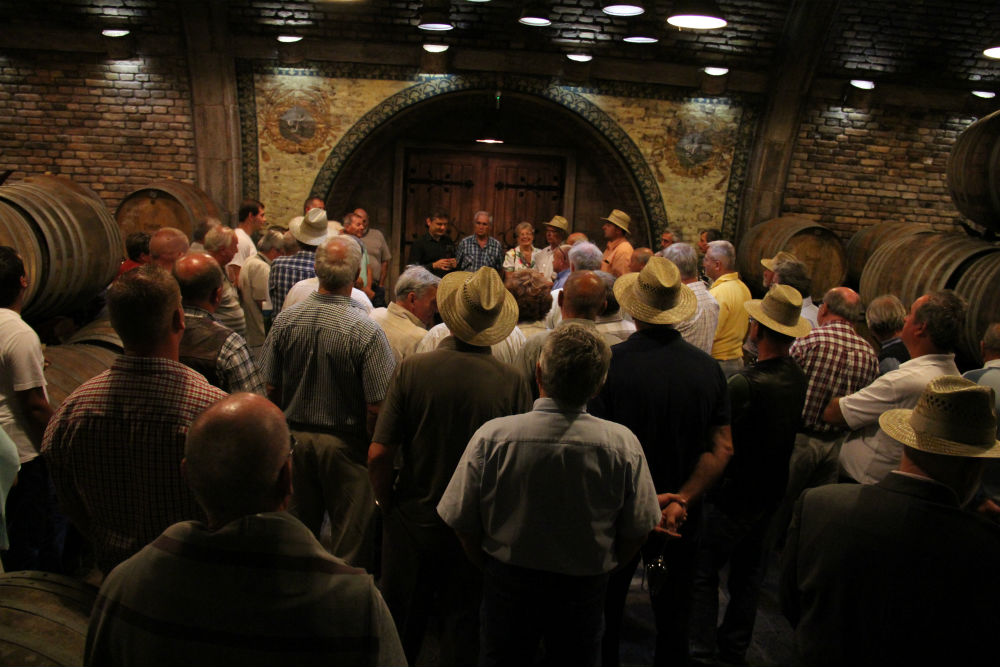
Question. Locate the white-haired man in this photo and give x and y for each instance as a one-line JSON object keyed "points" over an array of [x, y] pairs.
{"points": [[731, 293], [406, 319]]}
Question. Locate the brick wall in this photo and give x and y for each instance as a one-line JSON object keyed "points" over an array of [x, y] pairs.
{"points": [[111, 125], [854, 168]]}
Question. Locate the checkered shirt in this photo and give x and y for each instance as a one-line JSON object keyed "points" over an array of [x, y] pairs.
{"points": [[837, 362], [235, 366], [114, 450], [471, 256], [328, 359], [285, 272]]}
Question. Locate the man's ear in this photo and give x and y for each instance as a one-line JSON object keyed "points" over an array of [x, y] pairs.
{"points": [[217, 296], [184, 468], [283, 486], [177, 320]]}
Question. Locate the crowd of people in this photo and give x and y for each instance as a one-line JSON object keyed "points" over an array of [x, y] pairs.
{"points": [[289, 463]]}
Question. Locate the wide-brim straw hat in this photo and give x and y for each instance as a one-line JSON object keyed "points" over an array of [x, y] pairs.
{"points": [[477, 307], [782, 256], [780, 310], [656, 294], [310, 229], [953, 417], [560, 223], [619, 219]]}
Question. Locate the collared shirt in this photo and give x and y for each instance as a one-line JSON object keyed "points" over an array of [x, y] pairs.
{"points": [[543, 262], [617, 257], [230, 596], [471, 256], [731, 294], [837, 362], [868, 454], [527, 356], [378, 252], [328, 360], [506, 350], [21, 368], [403, 329], [699, 330], [810, 311], [426, 250], [234, 365], [515, 260], [114, 450], [304, 288], [285, 272], [253, 288], [615, 327], [553, 489], [560, 279], [229, 312]]}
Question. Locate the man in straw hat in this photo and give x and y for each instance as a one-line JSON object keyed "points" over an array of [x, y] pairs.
{"points": [[550, 502], [436, 402], [618, 252], [309, 231], [556, 231], [899, 573], [766, 402], [673, 397]]}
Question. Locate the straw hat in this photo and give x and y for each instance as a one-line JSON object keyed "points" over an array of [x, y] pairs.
{"points": [[477, 308], [780, 309], [559, 223], [310, 229], [656, 294], [619, 219], [953, 417], [782, 256]]}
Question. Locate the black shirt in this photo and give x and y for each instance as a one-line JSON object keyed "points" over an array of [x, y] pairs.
{"points": [[426, 250]]}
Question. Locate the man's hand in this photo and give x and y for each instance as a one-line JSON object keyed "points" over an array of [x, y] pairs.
{"points": [[673, 516], [445, 264]]}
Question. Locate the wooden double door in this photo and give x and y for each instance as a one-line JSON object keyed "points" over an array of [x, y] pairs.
{"points": [[512, 186]]}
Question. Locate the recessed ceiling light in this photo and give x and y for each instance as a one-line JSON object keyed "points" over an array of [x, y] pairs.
{"points": [[622, 8], [536, 17], [580, 57], [114, 32], [992, 52], [289, 39], [863, 84], [985, 94], [715, 71], [696, 22], [435, 21], [440, 48]]}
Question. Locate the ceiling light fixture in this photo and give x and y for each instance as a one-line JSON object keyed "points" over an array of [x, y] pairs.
{"points": [[580, 57], [992, 52], [535, 16], [289, 39], [985, 94], [435, 21], [622, 8], [640, 38], [114, 32], [715, 71], [491, 131], [863, 84], [439, 48], [641, 31], [696, 15]]}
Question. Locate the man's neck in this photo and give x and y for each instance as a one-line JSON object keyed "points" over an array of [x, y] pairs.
{"points": [[201, 305], [340, 291], [482, 240], [165, 350], [688, 281]]}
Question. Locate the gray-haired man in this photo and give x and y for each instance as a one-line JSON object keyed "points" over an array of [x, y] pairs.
{"points": [[405, 320]]}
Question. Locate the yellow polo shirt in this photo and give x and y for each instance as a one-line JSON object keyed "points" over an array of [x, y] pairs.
{"points": [[731, 294]]}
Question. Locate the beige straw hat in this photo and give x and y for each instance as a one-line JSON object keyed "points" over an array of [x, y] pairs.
{"points": [[477, 308], [560, 223], [619, 219], [782, 256], [780, 310], [953, 417], [656, 294], [310, 229]]}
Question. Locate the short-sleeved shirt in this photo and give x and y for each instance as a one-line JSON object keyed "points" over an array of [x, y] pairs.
{"points": [[671, 395], [378, 251], [868, 454], [731, 294], [329, 361], [543, 263], [245, 248], [514, 260], [506, 350], [403, 329], [286, 271], [471, 256], [21, 368], [554, 490], [699, 330], [617, 257], [253, 288]]}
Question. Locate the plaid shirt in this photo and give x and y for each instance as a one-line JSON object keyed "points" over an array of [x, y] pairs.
{"points": [[285, 272], [471, 256], [837, 362], [114, 450], [235, 366]]}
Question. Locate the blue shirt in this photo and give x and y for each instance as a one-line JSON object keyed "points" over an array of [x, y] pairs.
{"points": [[286, 271], [471, 256]]}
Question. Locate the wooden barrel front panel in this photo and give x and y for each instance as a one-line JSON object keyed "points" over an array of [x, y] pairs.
{"points": [[866, 241], [816, 246], [974, 171], [43, 618], [69, 366], [164, 204], [980, 285]]}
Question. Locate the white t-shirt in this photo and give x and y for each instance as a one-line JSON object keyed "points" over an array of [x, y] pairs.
{"points": [[21, 367], [244, 248], [304, 288]]}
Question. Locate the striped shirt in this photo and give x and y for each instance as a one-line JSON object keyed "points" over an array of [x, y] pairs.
{"points": [[328, 361], [114, 450], [285, 272], [699, 330], [837, 362]]}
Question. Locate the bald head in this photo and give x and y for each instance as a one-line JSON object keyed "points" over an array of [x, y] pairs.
{"points": [[200, 280], [167, 245], [582, 296], [640, 256], [840, 303], [236, 458], [576, 237]]}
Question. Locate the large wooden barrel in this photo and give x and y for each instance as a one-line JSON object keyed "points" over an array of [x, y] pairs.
{"points": [[818, 248], [912, 266], [974, 171], [980, 285], [43, 618], [164, 204], [69, 242], [71, 365], [866, 241]]}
